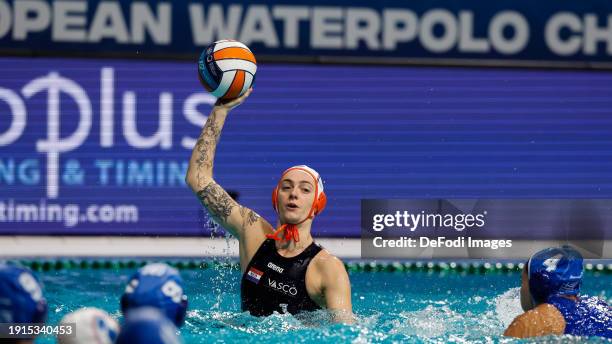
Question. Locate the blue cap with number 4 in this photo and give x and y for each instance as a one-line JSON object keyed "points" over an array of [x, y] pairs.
{"points": [[21, 296], [157, 285], [554, 271]]}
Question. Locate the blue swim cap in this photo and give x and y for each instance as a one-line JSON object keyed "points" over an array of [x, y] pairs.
{"points": [[157, 285], [554, 271], [21, 296], [147, 325]]}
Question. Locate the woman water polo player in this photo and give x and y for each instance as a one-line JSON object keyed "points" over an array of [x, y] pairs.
{"points": [[550, 297], [283, 270]]}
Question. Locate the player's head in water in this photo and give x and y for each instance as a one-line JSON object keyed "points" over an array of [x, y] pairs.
{"points": [[297, 198], [555, 271], [21, 299], [157, 285], [21, 296], [550, 296], [94, 326]]}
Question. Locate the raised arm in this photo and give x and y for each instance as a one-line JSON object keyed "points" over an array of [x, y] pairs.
{"points": [[229, 214]]}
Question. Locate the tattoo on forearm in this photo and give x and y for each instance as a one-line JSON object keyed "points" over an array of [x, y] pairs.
{"points": [[217, 201], [249, 217], [207, 143]]}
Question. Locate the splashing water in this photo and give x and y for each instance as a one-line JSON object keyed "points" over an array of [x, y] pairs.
{"points": [[222, 263], [508, 306], [416, 307]]}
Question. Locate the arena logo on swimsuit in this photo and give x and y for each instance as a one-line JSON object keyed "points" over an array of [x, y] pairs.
{"points": [[285, 288], [275, 267]]}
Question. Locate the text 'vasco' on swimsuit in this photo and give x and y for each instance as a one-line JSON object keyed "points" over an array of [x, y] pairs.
{"points": [[272, 282]]}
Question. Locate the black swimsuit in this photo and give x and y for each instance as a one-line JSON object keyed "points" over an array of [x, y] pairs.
{"points": [[272, 282]]}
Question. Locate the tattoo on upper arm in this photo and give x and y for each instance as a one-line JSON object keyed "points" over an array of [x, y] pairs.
{"points": [[217, 201], [252, 217], [249, 217]]}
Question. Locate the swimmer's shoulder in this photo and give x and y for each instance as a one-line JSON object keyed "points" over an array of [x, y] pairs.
{"points": [[327, 262], [328, 267], [334, 286], [545, 319]]}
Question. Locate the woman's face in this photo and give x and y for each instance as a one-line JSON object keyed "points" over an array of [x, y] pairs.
{"points": [[296, 193]]}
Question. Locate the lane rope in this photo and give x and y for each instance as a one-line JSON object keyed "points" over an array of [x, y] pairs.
{"points": [[475, 267]]}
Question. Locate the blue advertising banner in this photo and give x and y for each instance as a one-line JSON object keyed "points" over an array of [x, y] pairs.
{"points": [[542, 33], [101, 146]]}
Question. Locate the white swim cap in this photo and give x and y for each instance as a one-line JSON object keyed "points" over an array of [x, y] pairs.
{"points": [[93, 325]]}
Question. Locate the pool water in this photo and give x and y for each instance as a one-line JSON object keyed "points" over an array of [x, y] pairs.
{"points": [[406, 307]]}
